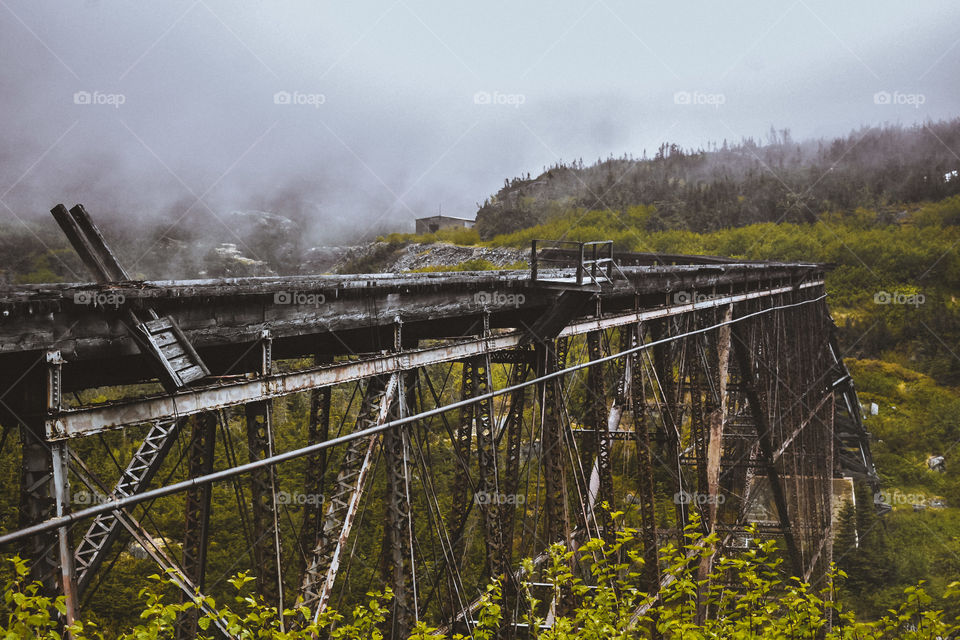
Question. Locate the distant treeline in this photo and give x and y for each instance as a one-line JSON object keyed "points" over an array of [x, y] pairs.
{"points": [[732, 185]]}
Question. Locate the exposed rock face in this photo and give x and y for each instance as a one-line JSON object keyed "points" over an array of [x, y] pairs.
{"points": [[418, 256], [227, 261], [382, 257]]}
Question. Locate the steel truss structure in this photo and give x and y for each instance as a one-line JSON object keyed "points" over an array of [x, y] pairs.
{"points": [[484, 433]]}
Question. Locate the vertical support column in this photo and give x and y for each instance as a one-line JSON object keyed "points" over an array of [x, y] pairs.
{"points": [[266, 517], [755, 397], [398, 529], [717, 422], [648, 523], [489, 485], [511, 485], [59, 455], [45, 490], [718, 418], [663, 358], [514, 427], [346, 492], [463, 438], [551, 446], [200, 454], [318, 430], [598, 423]]}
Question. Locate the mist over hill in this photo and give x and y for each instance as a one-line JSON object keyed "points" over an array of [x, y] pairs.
{"points": [[736, 184]]}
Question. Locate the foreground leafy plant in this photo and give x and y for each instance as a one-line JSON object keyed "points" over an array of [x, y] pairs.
{"points": [[593, 593]]}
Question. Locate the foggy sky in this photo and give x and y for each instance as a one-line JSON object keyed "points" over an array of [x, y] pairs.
{"points": [[411, 105]]}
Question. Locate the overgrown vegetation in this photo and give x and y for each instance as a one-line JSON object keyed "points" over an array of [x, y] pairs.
{"points": [[595, 593]]}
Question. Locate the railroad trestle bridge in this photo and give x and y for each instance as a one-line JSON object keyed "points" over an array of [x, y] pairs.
{"points": [[662, 386]]}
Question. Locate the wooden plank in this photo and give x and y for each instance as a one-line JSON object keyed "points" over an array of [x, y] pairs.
{"points": [[188, 348], [81, 244], [95, 239], [158, 325], [168, 344], [191, 374], [180, 364], [154, 351]]}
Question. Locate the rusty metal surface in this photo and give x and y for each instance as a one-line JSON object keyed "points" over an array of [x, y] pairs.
{"points": [[222, 312], [730, 420], [73, 423]]}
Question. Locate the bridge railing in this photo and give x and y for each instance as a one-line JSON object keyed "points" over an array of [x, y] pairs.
{"points": [[591, 259]]}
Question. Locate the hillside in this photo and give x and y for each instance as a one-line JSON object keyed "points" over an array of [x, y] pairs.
{"points": [[730, 185]]}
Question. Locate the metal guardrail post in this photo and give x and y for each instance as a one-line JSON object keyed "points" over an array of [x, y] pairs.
{"points": [[533, 260], [580, 266]]}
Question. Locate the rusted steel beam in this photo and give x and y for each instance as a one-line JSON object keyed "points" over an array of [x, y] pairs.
{"points": [[38, 499], [93, 548], [398, 527], [196, 529], [595, 448], [241, 469], [318, 579], [718, 418], [79, 422], [759, 412], [216, 314], [489, 482], [665, 362], [551, 445], [462, 445], [267, 550], [318, 430]]}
